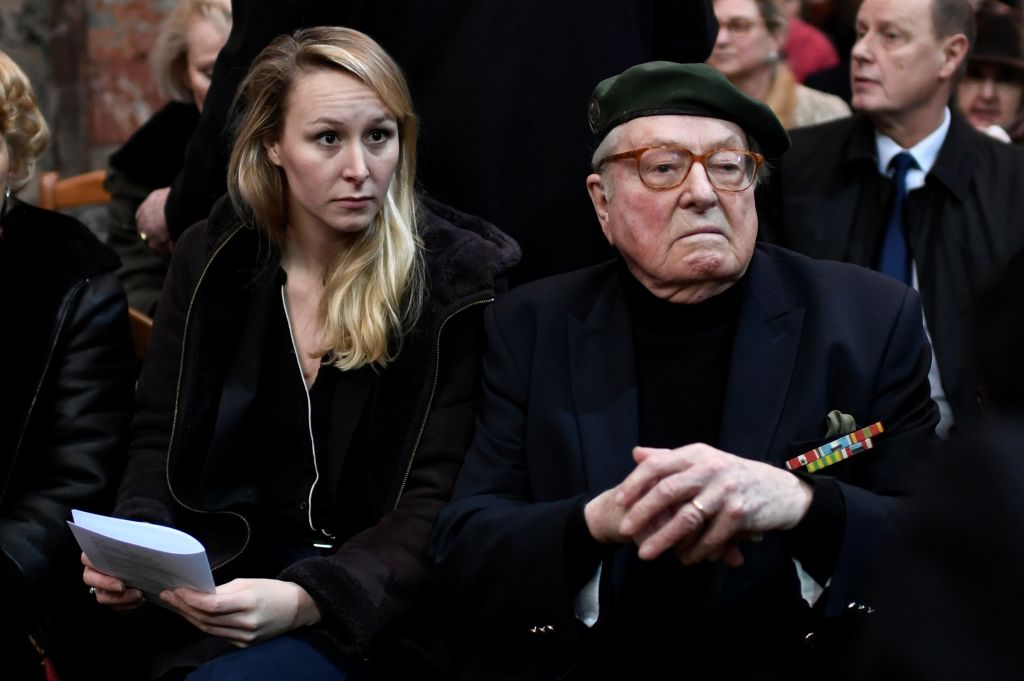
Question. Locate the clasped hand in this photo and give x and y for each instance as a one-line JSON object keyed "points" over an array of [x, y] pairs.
{"points": [[697, 500]]}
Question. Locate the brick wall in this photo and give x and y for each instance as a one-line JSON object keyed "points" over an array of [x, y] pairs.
{"points": [[88, 61]]}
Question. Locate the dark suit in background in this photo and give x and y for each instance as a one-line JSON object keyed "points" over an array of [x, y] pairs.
{"points": [[828, 200], [559, 419], [501, 89]]}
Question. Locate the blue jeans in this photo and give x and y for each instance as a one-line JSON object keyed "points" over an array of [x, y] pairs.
{"points": [[286, 658]]}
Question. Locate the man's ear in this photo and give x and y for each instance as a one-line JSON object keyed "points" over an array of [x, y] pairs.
{"points": [[954, 52], [599, 197]]}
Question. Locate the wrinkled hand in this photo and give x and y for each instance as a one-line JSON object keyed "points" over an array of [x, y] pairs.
{"points": [[152, 224], [246, 611], [110, 590], [701, 501]]}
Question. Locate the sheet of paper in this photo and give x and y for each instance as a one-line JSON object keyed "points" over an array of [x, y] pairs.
{"points": [[151, 558]]}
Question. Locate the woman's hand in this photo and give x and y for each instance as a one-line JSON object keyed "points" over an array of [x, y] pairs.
{"points": [[246, 611], [110, 590]]}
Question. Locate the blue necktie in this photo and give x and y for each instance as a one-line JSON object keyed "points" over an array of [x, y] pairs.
{"points": [[894, 259]]}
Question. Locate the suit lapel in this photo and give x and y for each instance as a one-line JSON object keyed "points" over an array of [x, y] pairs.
{"points": [[763, 357], [603, 379]]}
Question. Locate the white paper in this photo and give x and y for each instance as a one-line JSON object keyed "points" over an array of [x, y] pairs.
{"points": [[150, 558]]}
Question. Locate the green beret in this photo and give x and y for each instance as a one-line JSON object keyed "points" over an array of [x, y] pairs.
{"points": [[664, 87]]}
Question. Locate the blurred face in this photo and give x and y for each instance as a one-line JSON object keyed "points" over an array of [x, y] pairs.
{"points": [[688, 242], [991, 94], [898, 65], [205, 39], [338, 149], [744, 45]]}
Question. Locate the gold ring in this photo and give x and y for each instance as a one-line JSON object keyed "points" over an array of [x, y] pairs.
{"points": [[699, 506], [143, 236]]}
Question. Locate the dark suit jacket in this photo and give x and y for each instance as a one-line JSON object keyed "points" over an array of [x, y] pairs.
{"points": [[501, 91], [559, 419], [828, 200]]}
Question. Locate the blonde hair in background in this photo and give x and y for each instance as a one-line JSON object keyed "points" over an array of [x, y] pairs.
{"points": [[374, 285], [21, 123], [170, 50]]}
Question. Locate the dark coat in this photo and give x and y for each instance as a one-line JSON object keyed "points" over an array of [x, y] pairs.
{"points": [[149, 160], [411, 421], [501, 92], [559, 420], [65, 403], [828, 200]]}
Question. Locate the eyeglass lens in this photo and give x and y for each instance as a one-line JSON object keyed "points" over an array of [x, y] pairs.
{"points": [[727, 169]]}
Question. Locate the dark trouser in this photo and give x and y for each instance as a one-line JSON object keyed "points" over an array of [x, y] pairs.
{"points": [[290, 657]]}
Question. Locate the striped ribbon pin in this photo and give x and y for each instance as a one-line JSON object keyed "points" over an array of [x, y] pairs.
{"points": [[837, 450]]}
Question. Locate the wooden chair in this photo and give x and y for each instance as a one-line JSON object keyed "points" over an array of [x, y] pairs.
{"points": [[142, 329], [56, 193]]}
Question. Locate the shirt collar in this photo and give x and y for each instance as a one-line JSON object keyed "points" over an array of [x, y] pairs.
{"points": [[924, 152]]}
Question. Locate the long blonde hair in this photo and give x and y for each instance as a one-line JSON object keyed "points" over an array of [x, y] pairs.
{"points": [[21, 123], [373, 288], [169, 57]]}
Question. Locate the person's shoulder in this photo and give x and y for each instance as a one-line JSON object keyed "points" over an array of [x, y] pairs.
{"points": [[559, 294], [464, 254], [813, 278], [830, 133], [990, 151], [56, 241], [822, 106], [155, 152]]}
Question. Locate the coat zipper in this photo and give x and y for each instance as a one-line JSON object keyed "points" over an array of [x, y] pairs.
{"points": [[433, 390], [177, 403]]}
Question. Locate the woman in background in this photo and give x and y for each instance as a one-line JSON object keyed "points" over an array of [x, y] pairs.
{"points": [[141, 171], [67, 370], [751, 34], [991, 93], [312, 378]]}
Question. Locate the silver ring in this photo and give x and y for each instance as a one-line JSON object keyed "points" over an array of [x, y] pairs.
{"points": [[92, 590], [143, 236], [699, 506]]}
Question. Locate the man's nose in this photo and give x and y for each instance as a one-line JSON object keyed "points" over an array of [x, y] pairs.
{"points": [[988, 88], [697, 191], [861, 50]]}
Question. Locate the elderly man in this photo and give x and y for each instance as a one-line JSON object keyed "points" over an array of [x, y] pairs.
{"points": [[626, 503], [908, 187]]}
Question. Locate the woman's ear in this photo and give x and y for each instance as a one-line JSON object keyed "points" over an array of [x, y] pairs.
{"points": [[273, 152]]}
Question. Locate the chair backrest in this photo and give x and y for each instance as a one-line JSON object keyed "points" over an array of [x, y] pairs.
{"points": [[56, 193], [142, 329]]}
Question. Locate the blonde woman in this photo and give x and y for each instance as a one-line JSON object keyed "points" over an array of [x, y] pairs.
{"points": [[67, 371], [313, 375], [140, 172]]}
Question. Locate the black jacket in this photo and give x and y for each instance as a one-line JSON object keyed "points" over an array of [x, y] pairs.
{"points": [[66, 388], [413, 419], [557, 424], [828, 200]]}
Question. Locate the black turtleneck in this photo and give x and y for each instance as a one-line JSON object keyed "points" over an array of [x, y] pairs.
{"points": [[682, 354]]}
